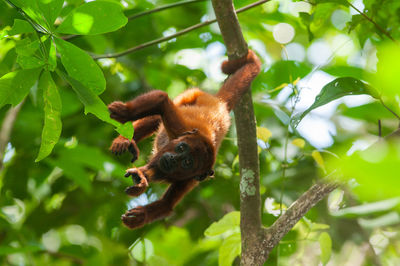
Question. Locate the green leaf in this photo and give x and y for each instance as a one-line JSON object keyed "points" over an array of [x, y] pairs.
{"points": [[230, 221], [73, 170], [30, 7], [371, 112], [93, 104], [26, 47], [334, 90], [94, 18], [21, 26], [14, 86], [142, 250], [81, 66], [50, 9], [229, 250], [386, 79], [93, 158], [342, 71], [52, 110], [325, 243], [380, 160], [5, 250], [306, 19], [28, 62], [284, 72], [367, 209], [125, 130]]}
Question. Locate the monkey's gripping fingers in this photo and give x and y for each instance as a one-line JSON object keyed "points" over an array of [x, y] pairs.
{"points": [[135, 218], [139, 180], [119, 111], [142, 215], [122, 144], [230, 66]]}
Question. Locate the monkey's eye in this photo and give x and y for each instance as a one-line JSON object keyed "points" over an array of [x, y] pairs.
{"points": [[182, 147], [187, 163]]}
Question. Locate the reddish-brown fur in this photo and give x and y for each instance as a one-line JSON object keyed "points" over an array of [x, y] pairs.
{"points": [[195, 118]]}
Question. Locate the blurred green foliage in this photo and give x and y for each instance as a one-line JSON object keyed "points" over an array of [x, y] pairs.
{"points": [[65, 209]]}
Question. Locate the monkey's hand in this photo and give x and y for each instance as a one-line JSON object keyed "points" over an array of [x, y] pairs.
{"points": [[119, 111], [139, 180], [135, 218], [230, 66], [121, 144]]}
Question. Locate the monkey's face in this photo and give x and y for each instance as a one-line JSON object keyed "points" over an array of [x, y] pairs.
{"points": [[185, 157]]}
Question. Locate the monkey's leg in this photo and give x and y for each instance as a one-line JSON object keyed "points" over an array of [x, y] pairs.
{"points": [[243, 71], [161, 208], [143, 128], [149, 104]]}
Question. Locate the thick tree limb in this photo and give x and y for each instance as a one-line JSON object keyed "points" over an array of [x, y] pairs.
{"points": [[250, 200], [257, 242]]}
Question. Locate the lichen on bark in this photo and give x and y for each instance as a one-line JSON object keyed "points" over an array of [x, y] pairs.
{"points": [[247, 187]]}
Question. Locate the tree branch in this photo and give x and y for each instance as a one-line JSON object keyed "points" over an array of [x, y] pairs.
{"points": [[294, 213], [250, 200], [167, 38]]}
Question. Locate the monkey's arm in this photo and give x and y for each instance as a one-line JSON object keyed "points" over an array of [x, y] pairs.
{"points": [[143, 128], [161, 208], [150, 104], [243, 71]]}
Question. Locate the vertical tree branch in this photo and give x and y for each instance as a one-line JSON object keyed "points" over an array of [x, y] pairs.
{"points": [[250, 202]]}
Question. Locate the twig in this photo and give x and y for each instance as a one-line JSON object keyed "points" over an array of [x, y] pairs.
{"points": [[179, 33], [6, 128], [373, 22], [164, 7], [390, 110], [60, 255], [379, 128]]}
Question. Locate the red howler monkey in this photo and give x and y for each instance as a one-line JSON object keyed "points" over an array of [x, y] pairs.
{"points": [[189, 132]]}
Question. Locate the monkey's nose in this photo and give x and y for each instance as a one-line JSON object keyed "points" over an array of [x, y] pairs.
{"points": [[167, 162]]}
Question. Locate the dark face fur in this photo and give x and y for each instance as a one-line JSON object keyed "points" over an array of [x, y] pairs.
{"points": [[187, 156]]}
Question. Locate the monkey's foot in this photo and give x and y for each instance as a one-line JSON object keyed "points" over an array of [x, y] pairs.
{"points": [[122, 144], [119, 111]]}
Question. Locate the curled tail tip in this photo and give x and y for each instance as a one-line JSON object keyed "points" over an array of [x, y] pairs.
{"points": [[230, 66]]}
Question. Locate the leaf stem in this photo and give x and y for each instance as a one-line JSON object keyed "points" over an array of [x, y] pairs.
{"points": [[390, 110], [37, 27], [179, 33]]}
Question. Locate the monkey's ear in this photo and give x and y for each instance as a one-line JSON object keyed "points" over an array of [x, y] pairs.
{"points": [[209, 173], [193, 131]]}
